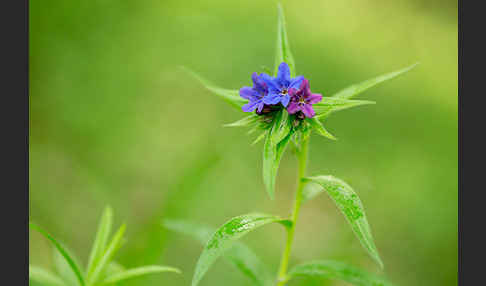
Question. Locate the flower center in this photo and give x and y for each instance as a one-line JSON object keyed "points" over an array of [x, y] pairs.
{"points": [[301, 100], [284, 91]]}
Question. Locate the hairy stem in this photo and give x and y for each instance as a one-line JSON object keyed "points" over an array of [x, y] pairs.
{"points": [[284, 262]]}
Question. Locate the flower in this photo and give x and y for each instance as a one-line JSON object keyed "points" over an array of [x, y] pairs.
{"points": [[278, 87], [302, 100], [254, 94]]}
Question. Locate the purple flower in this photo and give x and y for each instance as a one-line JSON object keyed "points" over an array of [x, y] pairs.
{"points": [[254, 94], [302, 100], [278, 88]]}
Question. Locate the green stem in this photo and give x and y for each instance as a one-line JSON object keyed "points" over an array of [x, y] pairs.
{"points": [[284, 262]]}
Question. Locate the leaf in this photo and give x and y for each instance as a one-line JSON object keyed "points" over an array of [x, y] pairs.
{"points": [[139, 271], [62, 250], [350, 205], [260, 137], [111, 269], [283, 53], [339, 271], [271, 161], [62, 267], [44, 276], [239, 254], [107, 255], [225, 237], [245, 121], [230, 96], [358, 88], [329, 105], [280, 127], [101, 239], [319, 128]]}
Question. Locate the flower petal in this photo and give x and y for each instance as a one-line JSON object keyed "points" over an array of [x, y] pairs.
{"points": [[285, 100], [293, 107], [283, 74], [260, 106], [314, 98], [308, 110], [296, 81], [247, 92], [273, 98], [250, 106]]}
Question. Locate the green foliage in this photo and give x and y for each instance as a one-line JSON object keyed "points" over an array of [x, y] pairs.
{"points": [[350, 205], [280, 128], [271, 160], [103, 269], [283, 53], [319, 128], [336, 270], [225, 237], [329, 105], [230, 96], [358, 88], [242, 257]]}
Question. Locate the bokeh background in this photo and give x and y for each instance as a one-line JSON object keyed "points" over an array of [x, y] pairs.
{"points": [[114, 121]]}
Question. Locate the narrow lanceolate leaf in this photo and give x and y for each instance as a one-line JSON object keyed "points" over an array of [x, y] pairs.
{"points": [[259, 138], [336, 270], [319, 128], [283, 53], [225, 237], [271, 160], [332, 104], [107, 255], [44, 276], [239, 254], [229, 95], [139, 271], [63, 269], [280, 127], [358, 88], [245, 121], [350, 205], [74, 266], [101, 239]]}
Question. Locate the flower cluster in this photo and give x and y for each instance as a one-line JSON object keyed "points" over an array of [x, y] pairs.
{"points": [[281, 91]]}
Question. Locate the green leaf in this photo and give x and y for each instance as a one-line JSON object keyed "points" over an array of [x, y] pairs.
{"points": [[350, 205], [225, 237], [44, 277], [283, 53], [107, 255], [271, 160], [280, 127], [336, 270], [358, 88], [329, 105], [239, 254], [62, 250], [260, 137], [101, 239], [245, 121], [62, 267], [230, 96], [139, 271], [319, 128]]}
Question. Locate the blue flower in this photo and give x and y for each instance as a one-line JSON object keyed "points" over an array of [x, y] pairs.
{"points": [[254, 94], [278, 88]]}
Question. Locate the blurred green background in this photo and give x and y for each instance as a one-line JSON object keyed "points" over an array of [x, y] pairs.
{"points": [[114, 121]]}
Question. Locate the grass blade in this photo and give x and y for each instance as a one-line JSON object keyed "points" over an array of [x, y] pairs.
{"points": [[336, 270], [350, 205], [242, 257], [358, 88], [283, 53], [62, 250], [101, 239], [139, 271], [107, 255], [44, 276], [230, 96], [225, 237]]}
